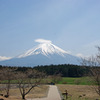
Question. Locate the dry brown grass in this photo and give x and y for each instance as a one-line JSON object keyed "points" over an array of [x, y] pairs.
{"points": [[37, 92], [79, 92]]}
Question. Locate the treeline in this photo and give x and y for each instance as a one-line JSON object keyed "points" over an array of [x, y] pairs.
{"points": [[66, 70]]}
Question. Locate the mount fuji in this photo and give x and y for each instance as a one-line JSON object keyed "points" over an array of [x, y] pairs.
{"points": [[45, 53]]}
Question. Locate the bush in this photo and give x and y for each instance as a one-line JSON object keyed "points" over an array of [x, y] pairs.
{"points": [[77, 81], [64, 82]]}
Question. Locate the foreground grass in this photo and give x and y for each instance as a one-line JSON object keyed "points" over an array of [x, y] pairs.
{"points": [[79, 92], [75, 92], [37, 92]]}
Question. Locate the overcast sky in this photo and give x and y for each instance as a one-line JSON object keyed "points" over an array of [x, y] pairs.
{"points": [[73, 25]]}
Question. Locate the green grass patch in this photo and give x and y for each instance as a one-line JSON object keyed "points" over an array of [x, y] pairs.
{"points": [[63, 80], [75, 81]]}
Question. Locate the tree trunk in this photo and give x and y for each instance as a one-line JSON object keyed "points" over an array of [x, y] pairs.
{"points": [[8, 88], [23, 97], [8, 92]]}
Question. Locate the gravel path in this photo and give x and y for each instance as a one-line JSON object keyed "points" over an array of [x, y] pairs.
{"points": [[53, 94]]}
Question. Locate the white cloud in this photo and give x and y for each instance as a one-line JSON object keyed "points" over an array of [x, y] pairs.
{"points": [[42, 41], [4, 58], [80, 55]]}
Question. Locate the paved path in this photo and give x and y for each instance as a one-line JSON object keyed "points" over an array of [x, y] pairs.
{"points": [[53, 94]]}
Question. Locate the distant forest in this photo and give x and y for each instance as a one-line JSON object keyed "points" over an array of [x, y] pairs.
{"points": [[66, 70]]}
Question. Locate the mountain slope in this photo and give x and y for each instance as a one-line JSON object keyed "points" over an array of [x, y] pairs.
{"points": [[45, 49], [45, 53]]}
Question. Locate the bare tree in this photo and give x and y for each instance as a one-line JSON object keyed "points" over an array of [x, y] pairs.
{"points": [[1, 75], [8, 75], [95, 79], [56, 78], [1, 79], [28, 80], [93, 63]]}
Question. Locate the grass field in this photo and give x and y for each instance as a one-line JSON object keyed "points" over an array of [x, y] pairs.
{"points": [[37, 92], [79, 92], [72, 81], [75, 81], [64, 80], [75, 92], [78, 89]]}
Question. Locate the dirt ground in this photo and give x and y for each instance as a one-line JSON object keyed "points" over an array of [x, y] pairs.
{"points": [[79, 92], [37, 92]]}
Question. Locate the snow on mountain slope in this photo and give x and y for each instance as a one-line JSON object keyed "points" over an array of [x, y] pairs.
{"points": [[45, 48], [45, 53]]}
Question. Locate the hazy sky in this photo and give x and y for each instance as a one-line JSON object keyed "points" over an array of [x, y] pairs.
{"points": [[73, 25]]}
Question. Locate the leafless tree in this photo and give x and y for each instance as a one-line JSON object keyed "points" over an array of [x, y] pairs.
{"points": [[28, 80], [1, 75], [93, 63], [8, 75], [56, 78], [1, 79], [95, 79]]}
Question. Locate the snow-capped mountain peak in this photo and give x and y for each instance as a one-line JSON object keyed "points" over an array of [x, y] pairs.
{"points": [[45, 53], [45, 48]]}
